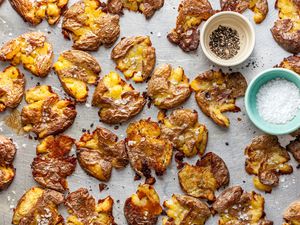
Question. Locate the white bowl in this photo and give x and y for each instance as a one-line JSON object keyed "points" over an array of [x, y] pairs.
{"points": [[236, 21]]}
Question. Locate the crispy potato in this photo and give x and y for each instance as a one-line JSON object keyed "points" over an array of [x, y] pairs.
{"points": [[190, 15], [202, 180], [53, 164], [45, 113], [89, 26], [12, 87], [118, 101], [98, 153], [267, 160], [239, 6], [135, 57], [235, 206], [146, 148], [35, 11], [85, 211], [38, 206], [30, 49], [143, 207], [292, 214], [76, 69], [147, 7], [216, 93], [184, 131], [292, 63], [294, 148], [184, 209], [168, 87]]}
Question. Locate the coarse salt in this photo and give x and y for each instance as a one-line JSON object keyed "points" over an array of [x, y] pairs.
{"points": [[278, 101]]}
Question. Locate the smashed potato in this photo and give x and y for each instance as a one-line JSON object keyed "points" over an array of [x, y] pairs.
{"points": [[53, 164], [292, 214], [45, 113], [191, 13], [85, 211], [235, 206], [98, 153], [143, 207], [118, 101], [146, 148], [294, 148], [292, 63], [75, 70], [89, 26], [267, 160], [147, 7], [135, 57], [216, 93], [184, 209], [35, 11], [30, 49], [38, 206], [168, 87], [7, 155], [184, 131], [12, 87], [202, 180]]}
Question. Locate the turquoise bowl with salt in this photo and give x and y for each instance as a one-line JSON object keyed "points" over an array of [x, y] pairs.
{"points": [[250, 101]]}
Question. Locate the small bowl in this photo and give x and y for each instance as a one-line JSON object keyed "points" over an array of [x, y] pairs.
{"points": [[250, 101], [236, 21]]}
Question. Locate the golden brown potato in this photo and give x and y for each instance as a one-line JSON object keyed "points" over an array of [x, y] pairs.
{"points": [[7, 155], [146, 148], [30, 49], [85, 211], [34, 11], [267, 160], [202, 180], [294, 148], [292, 63], [235, 206], [89, 26], [38, 206], [292, 214], [76, 69], [98, 153], [147, 7], [168, 87], [118, 101], [184, 131], [184, 209], [12, 87], [190, 15], [45, 113], [216, 93], [135, 57], [143, 207], [53, 164]]}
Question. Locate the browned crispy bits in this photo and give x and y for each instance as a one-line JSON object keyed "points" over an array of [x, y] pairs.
{"points": [[216, 93], [168, 87], [89, 26], [76, 69], [7, 155], [184, 209], [294, 148], [202, 180], [38, 206], [147, 149], [53, 164], [292, 214], [143, 207], [30, 49], [292, 63], [98, 153], [235, 206], [117, 100], [267, 160], [45, 113], [190, 15], [84, 210], [181, 127]]}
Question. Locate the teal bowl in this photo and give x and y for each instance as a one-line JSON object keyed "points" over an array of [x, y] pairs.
{"points": [[250, 101]]}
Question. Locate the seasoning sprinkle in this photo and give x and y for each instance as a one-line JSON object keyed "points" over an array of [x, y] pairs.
{"points": [[224, 42]]}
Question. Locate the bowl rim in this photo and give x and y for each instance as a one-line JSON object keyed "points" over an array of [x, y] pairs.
{"points": [[247, 101], [252, 38]]}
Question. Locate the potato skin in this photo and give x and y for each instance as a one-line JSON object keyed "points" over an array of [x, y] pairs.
{"points": [[292, 214], [294, 148], [292, 63]]}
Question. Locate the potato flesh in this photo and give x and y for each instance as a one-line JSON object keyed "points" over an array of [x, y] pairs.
{"points": [[191, 21], [288, 10]]}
